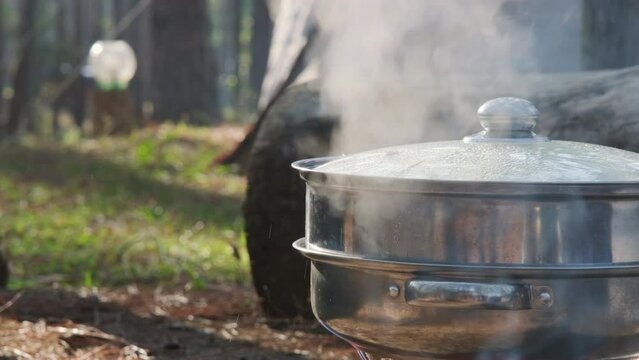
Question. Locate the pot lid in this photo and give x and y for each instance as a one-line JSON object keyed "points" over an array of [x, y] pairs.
{"points": [[507, 150]]}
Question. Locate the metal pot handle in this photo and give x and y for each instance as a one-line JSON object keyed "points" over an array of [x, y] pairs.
{"points": [[469, 295]]}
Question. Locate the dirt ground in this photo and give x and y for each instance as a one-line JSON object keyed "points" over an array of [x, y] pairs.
{"points": [[221, 322]]}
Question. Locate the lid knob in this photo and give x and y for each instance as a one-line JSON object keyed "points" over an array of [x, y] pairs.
{"points": [[507, 119]]}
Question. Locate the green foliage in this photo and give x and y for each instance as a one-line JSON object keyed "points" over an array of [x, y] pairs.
{"points": [[145, 208]]}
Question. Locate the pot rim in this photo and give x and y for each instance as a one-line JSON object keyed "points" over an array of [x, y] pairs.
{"points": [[514, 271], [308, 172]]}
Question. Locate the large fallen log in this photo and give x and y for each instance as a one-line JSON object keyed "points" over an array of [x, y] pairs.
{"points": [[597, 107]]}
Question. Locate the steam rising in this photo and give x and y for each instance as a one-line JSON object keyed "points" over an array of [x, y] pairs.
{"points": [[411, 70], [407, 71]]}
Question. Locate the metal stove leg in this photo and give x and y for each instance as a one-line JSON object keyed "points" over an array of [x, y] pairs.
{"points": [[362, 355]]}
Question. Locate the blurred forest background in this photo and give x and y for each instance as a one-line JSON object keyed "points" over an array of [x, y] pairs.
{"points": [[129, 243], [138, 231], [146, 206], [223, 44]]}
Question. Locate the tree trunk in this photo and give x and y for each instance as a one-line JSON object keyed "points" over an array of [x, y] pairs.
{"points": [[274, 206], [4, 268], [2, 62], [73, 96], [260, 45], [610, 31], [4, 272], [185, 74], [94, 20], [62, 41], [236, 8], [122, 8], [145, 67], [138, 35], [20, 100], [227, 51]]}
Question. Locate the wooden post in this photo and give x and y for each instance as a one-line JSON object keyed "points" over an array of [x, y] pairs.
{"points": [[113, 112]]}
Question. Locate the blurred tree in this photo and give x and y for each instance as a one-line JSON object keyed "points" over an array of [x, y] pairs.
{"points": [[4, 269], [131, 21], [20, 78], [2, 67], [91, 22], [4, 272], [71, 87], [260, 44], [610, 31], [228, 50], [184, 67]]}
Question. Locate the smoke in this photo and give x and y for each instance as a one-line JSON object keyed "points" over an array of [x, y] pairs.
{"points": [[407, 71], [413, 70]]}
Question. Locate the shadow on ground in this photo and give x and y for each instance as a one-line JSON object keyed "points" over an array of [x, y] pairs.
{"points": [[111, 181], [163, 337]]}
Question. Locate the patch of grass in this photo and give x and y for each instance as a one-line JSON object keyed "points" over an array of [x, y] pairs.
{"points": [[144, 208]]}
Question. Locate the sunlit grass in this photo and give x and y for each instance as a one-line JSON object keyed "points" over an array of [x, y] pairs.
{"points": [[149, 207]]}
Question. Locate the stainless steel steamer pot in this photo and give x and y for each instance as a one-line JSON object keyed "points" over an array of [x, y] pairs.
{"points": [[502, 243]]}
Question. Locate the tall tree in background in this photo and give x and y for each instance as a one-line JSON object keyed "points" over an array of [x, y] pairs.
{"points": [[134, 18], [20, 79], [120, 10], [2, 67], [73, 31], [260, 44], [184, 68], [610, 31], [228, 50]]}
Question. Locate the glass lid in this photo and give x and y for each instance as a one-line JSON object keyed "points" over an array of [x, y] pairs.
{"points": [[507, 150]]}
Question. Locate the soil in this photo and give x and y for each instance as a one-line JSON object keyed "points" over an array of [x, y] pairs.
{"points": [[221, 322]]}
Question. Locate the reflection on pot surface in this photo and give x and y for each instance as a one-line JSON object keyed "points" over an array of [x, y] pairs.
{"points": [[413, 258], [474, 229], [358, 306]]}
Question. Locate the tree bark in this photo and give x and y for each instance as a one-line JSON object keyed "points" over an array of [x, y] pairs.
{"points": [[75, 94], [2, 37], [236, 33], [185, 73], [2, 63], [4, 268], [62, 40], [4, 272], [138, 35], [120, 10], [260, 45], [145, 65], [610, 31], [274, 206], [228, 50], [20, 81]]}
